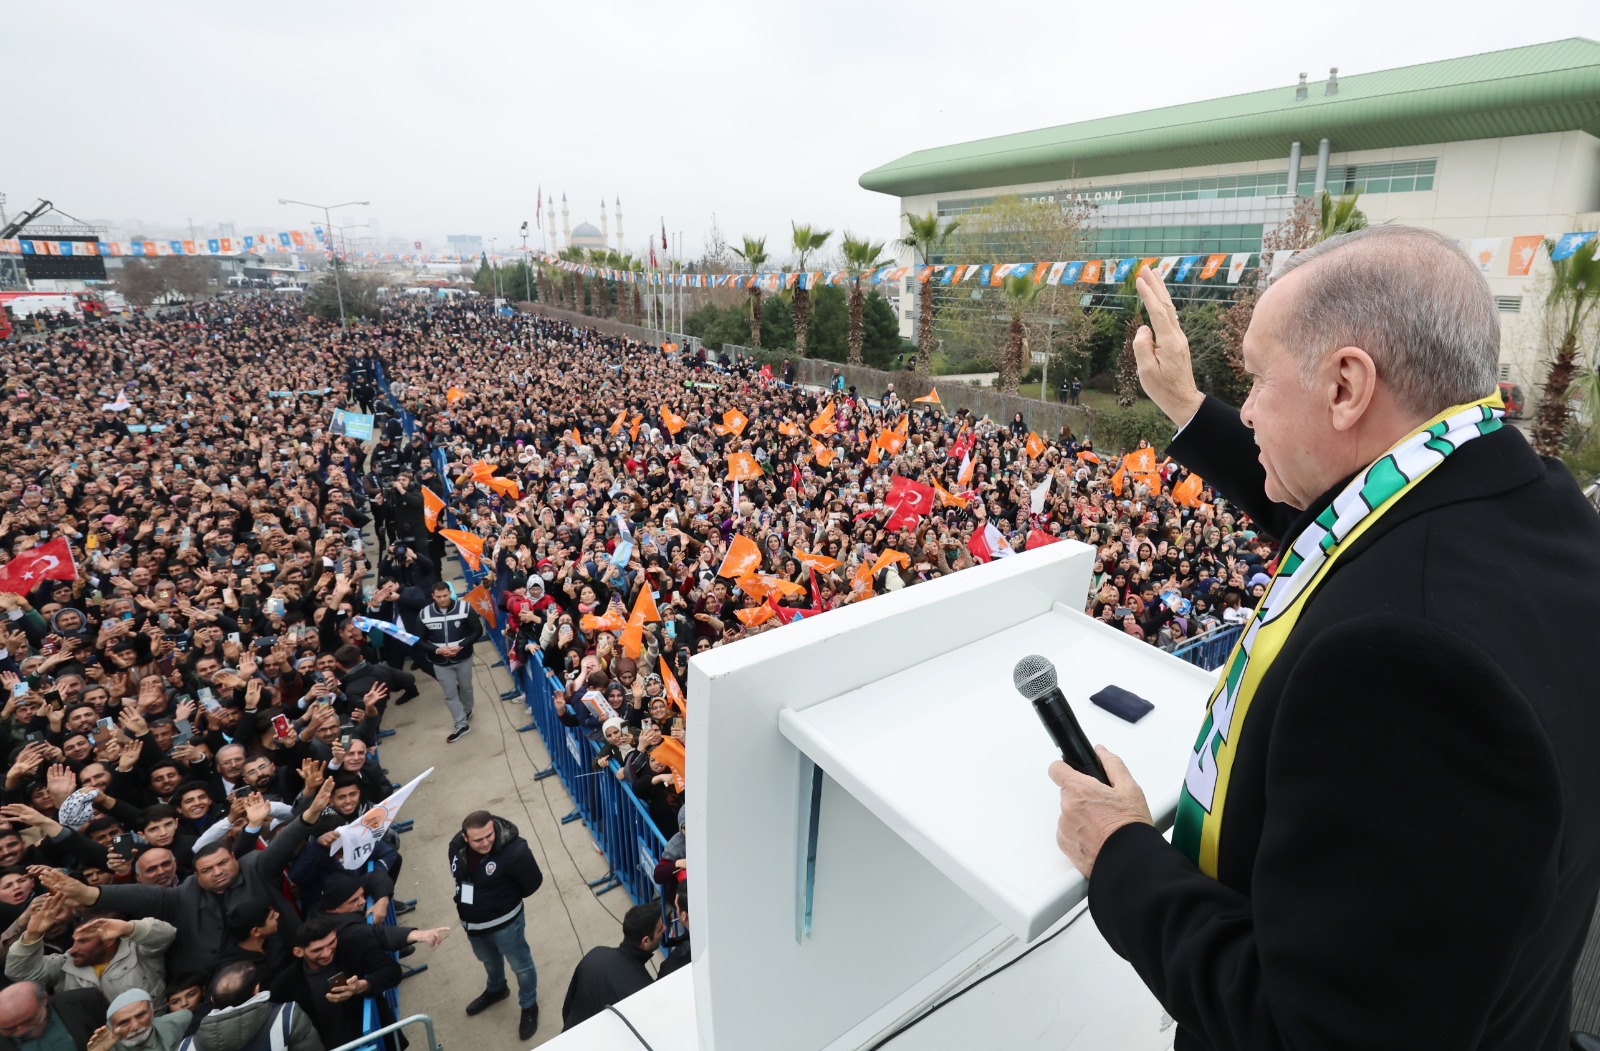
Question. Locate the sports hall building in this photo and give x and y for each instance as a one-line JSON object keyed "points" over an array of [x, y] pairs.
{"points": [[1489, 149]]}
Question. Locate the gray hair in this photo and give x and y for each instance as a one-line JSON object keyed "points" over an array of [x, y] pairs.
{"points": [[1412, 300]]}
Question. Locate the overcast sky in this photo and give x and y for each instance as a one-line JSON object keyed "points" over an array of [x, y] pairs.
{"points": [[447, 116]]}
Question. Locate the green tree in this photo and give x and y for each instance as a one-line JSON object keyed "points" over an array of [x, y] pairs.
{"points": [[926, 238], [861, 256], [1203, 325], [1128, 310], [360, 292], [880, 332], [754, 253], [806, 240], [1569, 312], [972, 317], [1020, 293], [1340, 215]]}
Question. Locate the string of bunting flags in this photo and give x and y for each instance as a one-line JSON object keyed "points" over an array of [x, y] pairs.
{"points": [[282, 241], [1490, 253]]}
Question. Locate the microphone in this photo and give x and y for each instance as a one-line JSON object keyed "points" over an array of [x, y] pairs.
{"points": [[1035, 678]]}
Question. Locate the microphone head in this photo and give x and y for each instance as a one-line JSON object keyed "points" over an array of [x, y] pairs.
{"points": [[1033, 676]]}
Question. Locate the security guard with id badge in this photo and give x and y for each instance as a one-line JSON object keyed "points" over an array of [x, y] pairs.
{"points": [[494, 871]]}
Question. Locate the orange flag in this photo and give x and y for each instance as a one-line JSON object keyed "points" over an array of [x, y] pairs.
{"points": [[820, 563], [743, 558], [1088, 456], [633, 428], [755, 615], [616, 424], [763, 584], [506, 487], [824, 423], [670, 752], [470, 546], [577, 439], [633, 638], [673, 422], [964, 476], [453, 395], [1187, 492], [735, 422], [1035, 446], [823, 454], [483, 603], [889, 558], [1116, 480], [946, 497], [891, 441], [788, 429], [610, 622], [873, 453], [644, 608], [930, 398], [903, 426], [742, 467], [481, 470], [861, 580], [670, 682], [432, 507]]}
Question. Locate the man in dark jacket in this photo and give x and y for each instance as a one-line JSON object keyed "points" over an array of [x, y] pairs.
{"points": [[357, 676], [1395, 744], [337, 1009], [243, 1012], [405, 511], [30, 1017], [198, 906], [609, 974], [494, 871], [447, 627]]}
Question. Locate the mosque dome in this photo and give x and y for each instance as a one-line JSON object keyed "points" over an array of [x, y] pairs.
{"points": [[587, 230]]}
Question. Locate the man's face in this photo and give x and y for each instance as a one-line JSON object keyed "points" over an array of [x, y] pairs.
{"points": [[259, 772], [230, 762], [11, 848], [185, 999], [157, 867], [481, 840], [319, 954], [356, 902], [27, 1021], [1290, 422], [87, 950], [81, 721], [441, 598], [216, 871], [346, 799], [161, 831], [356, 756], [132, 1025], [194, 804], [164, 779]]}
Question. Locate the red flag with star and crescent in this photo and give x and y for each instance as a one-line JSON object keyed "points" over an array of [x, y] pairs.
{"points": [[51, 561], [910, 500]]}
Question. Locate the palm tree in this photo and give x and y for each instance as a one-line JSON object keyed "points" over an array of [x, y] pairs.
{"points": [[1340, 216], [860, 256], [1132, 307], [1574, 293], [925, 238], [1020, 293], [806, 241], [754, 253]]}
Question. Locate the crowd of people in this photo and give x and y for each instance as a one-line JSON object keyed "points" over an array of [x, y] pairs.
{"points": [[193, 706]]}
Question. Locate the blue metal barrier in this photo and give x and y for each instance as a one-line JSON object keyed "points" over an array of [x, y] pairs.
{"points": [[1210, 649]]}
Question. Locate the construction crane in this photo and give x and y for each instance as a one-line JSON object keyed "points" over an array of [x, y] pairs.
{"points": [[11, 228]]}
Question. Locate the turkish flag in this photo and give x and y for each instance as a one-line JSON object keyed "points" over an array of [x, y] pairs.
{"points": [[910, 498], [1039, 538], [51, 561]]}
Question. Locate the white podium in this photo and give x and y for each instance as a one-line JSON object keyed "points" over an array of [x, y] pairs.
{"points": [[871, 829]]}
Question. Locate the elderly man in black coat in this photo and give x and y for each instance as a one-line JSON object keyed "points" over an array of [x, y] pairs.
{"points": [[1386, 836]]}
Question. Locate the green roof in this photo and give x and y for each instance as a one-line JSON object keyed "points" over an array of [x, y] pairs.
{"points": [[1523, 91]]}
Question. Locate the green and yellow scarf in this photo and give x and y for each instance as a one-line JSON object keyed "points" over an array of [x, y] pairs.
{"points": [[1198, 829]]}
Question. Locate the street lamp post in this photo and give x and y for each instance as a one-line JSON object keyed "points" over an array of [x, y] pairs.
{"points": [[327, 220], [527, 272]]}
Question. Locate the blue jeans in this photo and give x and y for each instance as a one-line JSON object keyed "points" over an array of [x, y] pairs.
{"points": [[509, 943]]}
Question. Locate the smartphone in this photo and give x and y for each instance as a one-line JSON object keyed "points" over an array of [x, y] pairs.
{"points": [[339, 979], [267, 567], [280, 727], [266, 642], [275, 606], [344, 740], [233, 637], [1123, 611], [21, 689], [208, 700], [181, 739], [647, 723], [106, 724], [126, 845]]}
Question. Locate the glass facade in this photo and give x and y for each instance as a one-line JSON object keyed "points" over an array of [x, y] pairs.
{"points": [[1175, 240], [1390, 177]]}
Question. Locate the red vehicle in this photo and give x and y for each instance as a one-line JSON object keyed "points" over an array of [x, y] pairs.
{"points": [[5, 325], [1511, 394]]}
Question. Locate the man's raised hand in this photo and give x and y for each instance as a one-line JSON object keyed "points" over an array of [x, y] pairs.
{"points": [[1162, 352]]}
